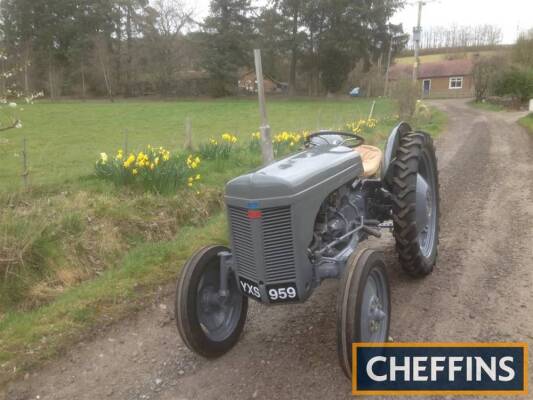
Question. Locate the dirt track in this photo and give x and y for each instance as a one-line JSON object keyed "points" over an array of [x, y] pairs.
{"points": [[482, 290]]}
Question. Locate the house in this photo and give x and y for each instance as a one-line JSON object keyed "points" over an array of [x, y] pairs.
{"points": [[443, 79], [248, 83]]}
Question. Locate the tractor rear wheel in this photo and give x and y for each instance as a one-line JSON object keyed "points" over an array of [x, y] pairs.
{"points": [[208, 323], [363, 304], [415, 208]]}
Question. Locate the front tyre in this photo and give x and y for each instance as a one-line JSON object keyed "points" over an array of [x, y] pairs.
{"points": [[363, 304], [208, 323], [415, 208]]}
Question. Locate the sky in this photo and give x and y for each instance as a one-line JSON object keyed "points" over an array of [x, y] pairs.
{"points": [[511, 16]]}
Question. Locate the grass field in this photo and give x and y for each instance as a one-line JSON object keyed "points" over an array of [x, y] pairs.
{"points": [[444, 56], [77, 252], [64, 139]]}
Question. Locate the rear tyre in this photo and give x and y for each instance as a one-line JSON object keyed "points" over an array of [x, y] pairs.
{"points": [[415, 208], [209, 325], [363, 305]]}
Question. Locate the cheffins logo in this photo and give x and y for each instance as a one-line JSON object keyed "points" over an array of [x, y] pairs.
{"points": [[439, 368]]}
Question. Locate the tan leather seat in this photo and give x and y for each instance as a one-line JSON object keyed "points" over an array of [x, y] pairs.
{"points": [[371, 157]]}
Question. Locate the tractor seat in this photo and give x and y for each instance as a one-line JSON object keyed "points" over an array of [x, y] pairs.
{"points": [[371, 157]]}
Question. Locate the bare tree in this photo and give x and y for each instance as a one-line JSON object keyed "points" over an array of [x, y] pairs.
{"points": [[167, 44], [104, 61], [484, 73]]}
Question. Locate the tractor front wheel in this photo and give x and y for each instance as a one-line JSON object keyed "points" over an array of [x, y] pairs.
{"points": [[363, 304], [209, 323]]}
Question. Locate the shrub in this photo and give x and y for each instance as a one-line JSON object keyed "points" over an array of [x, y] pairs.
{"points": [[153, 169], [405, 92], [484, 74], [517, 83], [218, 149]]}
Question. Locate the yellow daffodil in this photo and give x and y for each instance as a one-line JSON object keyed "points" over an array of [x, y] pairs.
{"points": [[134, 171]]}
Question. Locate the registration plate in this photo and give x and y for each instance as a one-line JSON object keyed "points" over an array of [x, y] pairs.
{"points": [[250, 288], [282, 292], [278, 293]]}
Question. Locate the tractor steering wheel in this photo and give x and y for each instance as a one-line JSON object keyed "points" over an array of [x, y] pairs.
{"points": [[358, 140]]}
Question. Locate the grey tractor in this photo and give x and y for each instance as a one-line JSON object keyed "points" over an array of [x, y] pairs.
{"points": [[301, 220]]}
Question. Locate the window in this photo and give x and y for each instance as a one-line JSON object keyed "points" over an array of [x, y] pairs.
{"points": [[456, 82]]}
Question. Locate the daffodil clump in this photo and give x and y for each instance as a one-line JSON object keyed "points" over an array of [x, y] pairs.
{"points": [[156, 169], [362, 125], [218, 148], [254, 145], [285, 142]]}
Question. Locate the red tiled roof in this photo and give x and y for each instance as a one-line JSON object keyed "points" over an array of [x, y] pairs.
{"points": [[433, 70]]}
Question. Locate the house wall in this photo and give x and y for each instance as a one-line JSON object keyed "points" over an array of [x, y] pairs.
{"points": [[440, 88], [247, 82]]}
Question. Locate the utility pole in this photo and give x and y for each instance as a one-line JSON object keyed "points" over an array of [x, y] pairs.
{"points": [[416, 39], [266, 142]]}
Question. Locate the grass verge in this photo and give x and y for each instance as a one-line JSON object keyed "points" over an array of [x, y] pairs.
{"points": [[30, 337], [527, 122], [486, 106]]}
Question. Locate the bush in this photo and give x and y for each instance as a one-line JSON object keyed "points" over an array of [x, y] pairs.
{"points": [[484, 74], [405, 92], [517, 83], [153, 169]]}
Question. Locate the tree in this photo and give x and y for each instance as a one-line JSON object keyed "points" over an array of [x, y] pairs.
{"points": [[228, 34], [342, 32], [523, 49], [484, 74], [291, 12]]}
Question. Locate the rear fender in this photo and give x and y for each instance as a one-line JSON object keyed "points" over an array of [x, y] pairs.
{"points": [[390, 151]]}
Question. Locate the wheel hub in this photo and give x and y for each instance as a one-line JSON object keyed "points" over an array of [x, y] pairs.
{"points": [[425, 209], [423, 203], [376, 314]]}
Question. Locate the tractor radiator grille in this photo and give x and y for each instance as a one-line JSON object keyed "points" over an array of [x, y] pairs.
{"points": [[241, 233], [277, 242]]}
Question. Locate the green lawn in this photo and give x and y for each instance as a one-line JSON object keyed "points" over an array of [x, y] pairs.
{"points": [[64, 139]]}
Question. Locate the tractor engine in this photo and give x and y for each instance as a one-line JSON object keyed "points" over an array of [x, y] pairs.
{"points": [[340, 213]]}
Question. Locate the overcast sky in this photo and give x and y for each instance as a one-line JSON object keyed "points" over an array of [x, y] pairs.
{"points": [[510, 15]]}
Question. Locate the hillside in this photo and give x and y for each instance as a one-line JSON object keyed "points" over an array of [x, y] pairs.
{"points": [[451, 55]]}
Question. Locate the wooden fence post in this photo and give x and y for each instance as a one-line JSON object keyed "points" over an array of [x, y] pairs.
{"points": [[372, 110], [188, 134], [25, 171], [267, 150]]}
